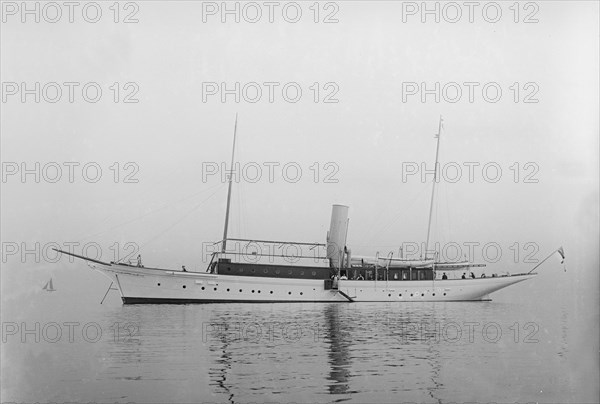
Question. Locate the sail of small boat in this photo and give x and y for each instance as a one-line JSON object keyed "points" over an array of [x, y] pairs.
{"points": [[49, 287]]}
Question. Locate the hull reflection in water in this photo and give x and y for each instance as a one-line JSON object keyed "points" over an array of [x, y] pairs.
{"points": [[339, 358]]}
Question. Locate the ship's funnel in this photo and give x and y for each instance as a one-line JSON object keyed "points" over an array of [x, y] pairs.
{"points": [[336, 237]]}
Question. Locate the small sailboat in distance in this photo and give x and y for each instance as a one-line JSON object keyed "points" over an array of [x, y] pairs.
{"points": [[49, 287]]}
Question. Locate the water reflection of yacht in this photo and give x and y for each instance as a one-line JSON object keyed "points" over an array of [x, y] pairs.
{"points": [[221, 369], [356, 351], [352, 356], [337, 351]]}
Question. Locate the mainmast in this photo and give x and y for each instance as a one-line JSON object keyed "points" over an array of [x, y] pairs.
{"points": [[224, 244], [435, 173]]}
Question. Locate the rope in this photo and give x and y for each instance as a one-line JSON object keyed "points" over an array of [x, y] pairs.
{"points": [[143, 196], [180, 219], [393, 221], [149, 213]]}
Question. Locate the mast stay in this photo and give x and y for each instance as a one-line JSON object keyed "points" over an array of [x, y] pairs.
{"points": [[435, 173], [224, 245]]}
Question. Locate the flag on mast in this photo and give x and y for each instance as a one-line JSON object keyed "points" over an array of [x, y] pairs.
{"points": [[440, 127], [560, 250], [562, 254]]}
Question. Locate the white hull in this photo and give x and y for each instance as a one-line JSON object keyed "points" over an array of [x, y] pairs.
{"points": [[427, 291], [145, 285]]}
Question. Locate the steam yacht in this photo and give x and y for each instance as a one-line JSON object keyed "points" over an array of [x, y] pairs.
{"points": [[327, 273]]}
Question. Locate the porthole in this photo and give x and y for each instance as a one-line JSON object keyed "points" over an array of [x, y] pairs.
{"points": [[301, 293], [158, 284], [228, 289], [215, 289], [434, 294], [202, 287], [259, 291], [389, 295], [444, 293], [422, 294], [184, 286], [271, 292], [240, 290], [314, 273], [252, 290], [400, 294], [289, 293], [411, 295]]}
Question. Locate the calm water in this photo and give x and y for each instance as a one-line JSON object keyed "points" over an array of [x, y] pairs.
{"points": [[497, 351]]}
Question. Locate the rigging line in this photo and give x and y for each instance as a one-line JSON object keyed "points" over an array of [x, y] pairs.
{"points": [[436, 228], [239, 209], [243, 227], [180, 219], [387, 224], [166, 205], [229, 188], [401, 212], [239, 151], [449, 233], [243, 212], [151, 212], [441, 231], [143, 196]]}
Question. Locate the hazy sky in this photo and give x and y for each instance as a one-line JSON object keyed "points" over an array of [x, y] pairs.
{"points": [[369, 61]]}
